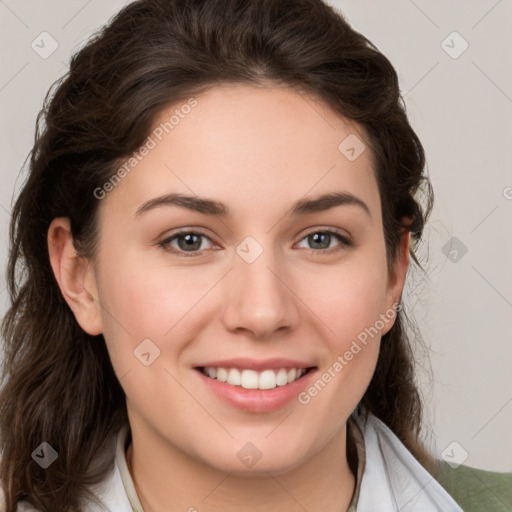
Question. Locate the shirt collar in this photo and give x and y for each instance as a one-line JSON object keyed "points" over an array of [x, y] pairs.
{"points": [[123, 441], [393, 479], [388, 479], [354, 436]]}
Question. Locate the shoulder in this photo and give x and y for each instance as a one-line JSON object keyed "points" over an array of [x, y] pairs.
{"points": [[105, 495], [476, 489], [393, 479], [23, 506], [461, 488]]}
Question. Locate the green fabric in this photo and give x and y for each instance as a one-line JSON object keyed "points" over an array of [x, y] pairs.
{"points": [[476, 490]]}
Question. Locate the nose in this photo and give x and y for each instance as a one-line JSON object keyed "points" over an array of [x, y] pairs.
{"points": [[260, 297]]}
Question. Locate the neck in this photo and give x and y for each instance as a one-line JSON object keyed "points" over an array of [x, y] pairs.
{"points": [[322, 483]]}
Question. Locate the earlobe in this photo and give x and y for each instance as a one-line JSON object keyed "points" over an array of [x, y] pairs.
{"points": [[75, 276]]}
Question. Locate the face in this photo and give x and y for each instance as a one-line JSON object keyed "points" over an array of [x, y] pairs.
{"points": [[249, 279]]}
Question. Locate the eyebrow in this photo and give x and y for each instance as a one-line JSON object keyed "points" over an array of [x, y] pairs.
{"points": [[210, 207]]}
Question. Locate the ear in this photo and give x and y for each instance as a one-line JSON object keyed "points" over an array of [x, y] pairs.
{"points": [[397, 275], [75, 276]]}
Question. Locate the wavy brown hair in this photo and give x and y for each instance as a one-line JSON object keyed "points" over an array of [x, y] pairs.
{"points": [[58, 384]]}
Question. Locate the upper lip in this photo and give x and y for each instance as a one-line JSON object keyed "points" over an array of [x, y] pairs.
{"points": [[255, 364]]}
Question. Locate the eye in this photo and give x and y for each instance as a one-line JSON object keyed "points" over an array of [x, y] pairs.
{"points": [[321, 241], [189, 243]]}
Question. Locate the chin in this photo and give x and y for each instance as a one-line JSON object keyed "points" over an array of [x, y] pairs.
{"points": [[251, 461]]}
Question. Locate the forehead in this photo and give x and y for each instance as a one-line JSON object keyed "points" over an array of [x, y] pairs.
{"points": [[250, 146]]}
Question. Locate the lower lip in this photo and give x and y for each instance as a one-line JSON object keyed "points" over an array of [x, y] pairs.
{"points": [[257, 400]]}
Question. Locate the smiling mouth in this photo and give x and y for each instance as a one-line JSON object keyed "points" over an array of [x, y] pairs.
{"points": [[251, 379]]}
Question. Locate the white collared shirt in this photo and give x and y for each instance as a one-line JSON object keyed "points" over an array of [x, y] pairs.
{"points": [[393, 480]]}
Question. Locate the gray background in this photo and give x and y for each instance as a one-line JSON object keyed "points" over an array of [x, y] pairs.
{"points": [[460, 104]]}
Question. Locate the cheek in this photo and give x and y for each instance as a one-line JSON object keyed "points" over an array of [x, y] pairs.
{"points": [[349, 302], [141, 302], [145, 311], [149, 300], [349, 297]]}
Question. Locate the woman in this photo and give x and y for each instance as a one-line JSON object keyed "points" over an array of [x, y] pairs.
{"points": [[214, 237]]}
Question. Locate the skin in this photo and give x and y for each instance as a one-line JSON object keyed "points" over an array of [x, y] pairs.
{"points": [[257, 150]]}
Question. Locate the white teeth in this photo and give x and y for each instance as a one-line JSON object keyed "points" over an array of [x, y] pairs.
{"points": [[282, 377], [222, 374], [267, 379], [251, 379], [234, 377]]}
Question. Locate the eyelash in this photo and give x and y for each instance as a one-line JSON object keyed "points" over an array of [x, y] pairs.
{"points": [[345, 242]]}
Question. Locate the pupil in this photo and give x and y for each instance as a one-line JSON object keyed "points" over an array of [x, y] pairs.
{"points": [[190, 243], [316, 236]]}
